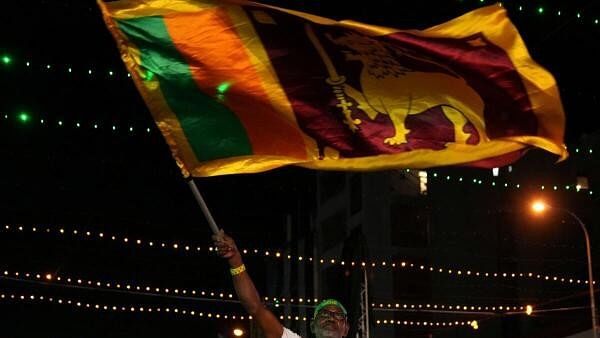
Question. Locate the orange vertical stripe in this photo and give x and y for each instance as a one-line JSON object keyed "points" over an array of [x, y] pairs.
{"points": [[217, 58]]}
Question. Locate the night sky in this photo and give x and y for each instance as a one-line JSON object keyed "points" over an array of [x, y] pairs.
{"points": [[83, 169]]}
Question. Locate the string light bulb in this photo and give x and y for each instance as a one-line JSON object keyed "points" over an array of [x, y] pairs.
{"points": [[459, 272], [529, 310], [6, 59]]}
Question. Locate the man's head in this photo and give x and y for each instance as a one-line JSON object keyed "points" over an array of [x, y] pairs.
{"points": [[330, 320]]}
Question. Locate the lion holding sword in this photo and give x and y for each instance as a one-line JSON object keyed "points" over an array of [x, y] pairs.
{"points": [[393, 89]]}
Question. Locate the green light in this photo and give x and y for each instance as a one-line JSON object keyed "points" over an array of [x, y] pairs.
{"points": [[24, 117], [6, 59], [149, 75], [541, 10], [578, 15], [223, 87]]}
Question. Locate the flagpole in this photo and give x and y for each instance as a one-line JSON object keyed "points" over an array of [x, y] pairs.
{"points": [[207, 214]]}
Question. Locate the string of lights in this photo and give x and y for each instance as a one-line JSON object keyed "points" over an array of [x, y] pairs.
{"points": [[473, 323], [580, 15], [203, 295], [36, 298], [444, 308], [575, 188], [27, 118], [90, 72], [63, 281], [24, 117], [7, 296], [577, 15], [384, 264]]}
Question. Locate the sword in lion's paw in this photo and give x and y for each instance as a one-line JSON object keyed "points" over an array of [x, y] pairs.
{"points": [[336, 81]]}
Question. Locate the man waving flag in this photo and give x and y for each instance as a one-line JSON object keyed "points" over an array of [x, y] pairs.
{"points": [[240, 87]]}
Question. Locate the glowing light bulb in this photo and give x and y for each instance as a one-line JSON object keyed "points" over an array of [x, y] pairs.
{"points": [[24, 117], [538, 206], [6, 59], [529, 310]]}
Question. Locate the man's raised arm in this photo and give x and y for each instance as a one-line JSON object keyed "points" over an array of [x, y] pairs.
{"points": [[244, 287]]}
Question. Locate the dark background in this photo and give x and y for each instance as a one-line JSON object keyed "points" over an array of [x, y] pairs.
{"points": [[126, 183]]}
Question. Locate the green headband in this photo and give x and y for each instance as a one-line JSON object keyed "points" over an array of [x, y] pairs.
{"points": [[327, 302]]}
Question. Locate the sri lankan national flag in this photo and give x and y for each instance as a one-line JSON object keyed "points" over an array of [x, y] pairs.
{"points": [[240, 87]]}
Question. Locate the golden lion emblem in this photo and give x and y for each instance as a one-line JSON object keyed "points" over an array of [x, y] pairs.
{"points": [[390, 88]]}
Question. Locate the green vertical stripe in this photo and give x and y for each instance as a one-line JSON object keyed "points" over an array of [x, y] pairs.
{"points": [[213, 131]]}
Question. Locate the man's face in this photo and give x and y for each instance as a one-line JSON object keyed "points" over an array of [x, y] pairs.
{"points": [[330, 323]]}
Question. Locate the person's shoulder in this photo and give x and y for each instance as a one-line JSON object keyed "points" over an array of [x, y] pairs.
{"points": [[287, 333]]}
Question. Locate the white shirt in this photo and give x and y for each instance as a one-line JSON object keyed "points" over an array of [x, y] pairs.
{"points": [[289, 334]]}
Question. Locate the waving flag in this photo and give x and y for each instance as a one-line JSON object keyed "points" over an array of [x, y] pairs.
{"points": [[240, 87]]}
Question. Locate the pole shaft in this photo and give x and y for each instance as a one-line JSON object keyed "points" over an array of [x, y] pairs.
{"points": [[366, 299], [203, 206], [591, 285], [590, 273]]}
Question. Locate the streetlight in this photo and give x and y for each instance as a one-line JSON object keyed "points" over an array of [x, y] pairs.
{"points": [[540, 206]]}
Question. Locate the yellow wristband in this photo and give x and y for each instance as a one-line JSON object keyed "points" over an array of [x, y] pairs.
{"points": [[238, 270]]}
